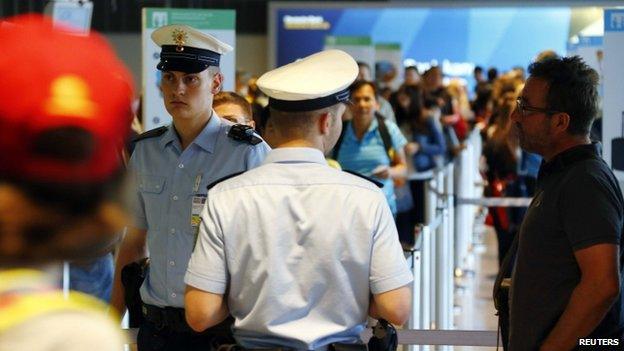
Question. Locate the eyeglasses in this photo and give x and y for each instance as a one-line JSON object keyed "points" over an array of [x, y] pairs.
{"points": [[524, 109]]}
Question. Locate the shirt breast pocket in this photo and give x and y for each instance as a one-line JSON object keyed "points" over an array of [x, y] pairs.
{"points": [[151, 188]]}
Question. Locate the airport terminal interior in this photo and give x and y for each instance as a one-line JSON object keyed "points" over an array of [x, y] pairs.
{"points": [[433, 119]]}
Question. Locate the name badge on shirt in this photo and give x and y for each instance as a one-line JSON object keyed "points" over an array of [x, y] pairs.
{"points": [[198, 205]]}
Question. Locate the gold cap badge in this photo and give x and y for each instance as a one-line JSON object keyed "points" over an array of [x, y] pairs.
{"points": [[179, 38]]}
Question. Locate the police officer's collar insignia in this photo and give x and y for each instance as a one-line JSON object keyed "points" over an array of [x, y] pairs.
{"points": [[377, 183], [244, 133], [211, 185], [179, 38]]}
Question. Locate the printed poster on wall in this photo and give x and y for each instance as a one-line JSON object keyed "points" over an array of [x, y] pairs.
{"points": [[613, 102], [218, 23]]}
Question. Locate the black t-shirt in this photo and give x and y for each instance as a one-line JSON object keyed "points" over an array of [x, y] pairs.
{"points": [[578, 203]]}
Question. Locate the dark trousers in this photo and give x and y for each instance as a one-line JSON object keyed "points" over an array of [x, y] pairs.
{"points": [[153, 337]]}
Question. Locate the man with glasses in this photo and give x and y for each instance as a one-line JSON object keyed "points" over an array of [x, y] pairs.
{"points": [[566, 283]]}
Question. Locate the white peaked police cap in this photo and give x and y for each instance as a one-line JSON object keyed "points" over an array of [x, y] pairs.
{"points": [[186, 49], [317, 81]]}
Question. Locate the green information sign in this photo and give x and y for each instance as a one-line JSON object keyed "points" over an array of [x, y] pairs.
{"points": [[348, 40], [220, 24], [388, 46], [196, 18]]}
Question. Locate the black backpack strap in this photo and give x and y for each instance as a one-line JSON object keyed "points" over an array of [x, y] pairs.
{"points": [[336, 149], [385, 136]]}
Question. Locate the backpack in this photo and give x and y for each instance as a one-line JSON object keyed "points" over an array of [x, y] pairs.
{"points": [[383, 132]]}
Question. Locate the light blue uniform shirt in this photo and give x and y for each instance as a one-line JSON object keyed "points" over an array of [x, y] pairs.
{"points": [[363, 156], [168, 179], [300, 246]]}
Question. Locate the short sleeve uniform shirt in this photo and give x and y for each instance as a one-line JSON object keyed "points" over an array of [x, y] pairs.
{"points": [[171, 186], [300, 246]]}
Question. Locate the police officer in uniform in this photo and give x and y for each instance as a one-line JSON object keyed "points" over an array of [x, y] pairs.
{"points": [[66, 108], [302, 253], [173, 166]]}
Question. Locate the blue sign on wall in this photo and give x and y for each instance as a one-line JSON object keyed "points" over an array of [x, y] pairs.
{"points": [[498, 37], [614, 20]]}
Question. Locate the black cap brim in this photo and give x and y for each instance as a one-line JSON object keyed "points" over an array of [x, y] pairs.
{"points": [[182, 65], [186, 59], [342, 96]]}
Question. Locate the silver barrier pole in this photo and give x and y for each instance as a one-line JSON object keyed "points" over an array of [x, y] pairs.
{"points": [[477, 190], [415, 321], [425, 286], [449, 190], [430, 214], [444, 254], [440, 243], [462, 222]]}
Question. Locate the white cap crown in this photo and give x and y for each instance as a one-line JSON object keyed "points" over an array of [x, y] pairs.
{"points": [[317, 76]]}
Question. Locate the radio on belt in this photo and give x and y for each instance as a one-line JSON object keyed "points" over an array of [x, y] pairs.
{"points": [[244, 133]]}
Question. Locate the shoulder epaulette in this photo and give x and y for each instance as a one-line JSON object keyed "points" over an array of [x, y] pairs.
{"points": [[244, 133], [377, 183], [212, 185], [150, 134]]}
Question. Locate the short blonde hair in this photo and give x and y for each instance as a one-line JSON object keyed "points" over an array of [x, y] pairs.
{"points": [[230, 97]]}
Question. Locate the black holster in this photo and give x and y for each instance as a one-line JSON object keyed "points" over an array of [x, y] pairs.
{"points": [[384, 337], [132, 277], [347, 347]]}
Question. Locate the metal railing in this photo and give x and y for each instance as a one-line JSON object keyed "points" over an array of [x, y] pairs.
{"points": [[453, 194], [432, 257], [444, 243]]}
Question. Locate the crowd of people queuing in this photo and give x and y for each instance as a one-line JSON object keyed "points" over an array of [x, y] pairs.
{"points": [[420, 126], [242, 236]]}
